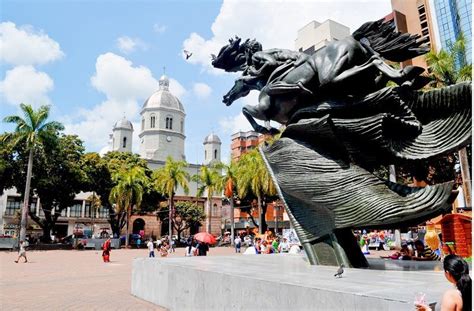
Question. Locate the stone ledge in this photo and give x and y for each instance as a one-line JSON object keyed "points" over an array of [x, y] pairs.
{"points": [[274, 282]]}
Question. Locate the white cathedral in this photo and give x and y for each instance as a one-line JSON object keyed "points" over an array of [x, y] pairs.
{"points": [[162, 134]]}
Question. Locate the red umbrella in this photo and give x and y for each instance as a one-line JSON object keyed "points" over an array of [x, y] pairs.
{"points": [[205, 237]]}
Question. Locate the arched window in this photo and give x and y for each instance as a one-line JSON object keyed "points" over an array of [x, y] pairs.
{"points": [[182, 126], [125, 142], [215, 153], [152, 121], [169, 123], [143, 124], [205, 154]]}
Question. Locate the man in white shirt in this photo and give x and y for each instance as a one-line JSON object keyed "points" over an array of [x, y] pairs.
{"points": [[151, 248], [238, 244], [284, 247]]}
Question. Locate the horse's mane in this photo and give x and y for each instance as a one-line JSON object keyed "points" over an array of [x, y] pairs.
{"points": [[391, 44]]}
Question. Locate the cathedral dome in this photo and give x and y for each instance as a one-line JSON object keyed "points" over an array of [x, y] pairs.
{"points": [[163, 97], [123, 124], [212, 138]]}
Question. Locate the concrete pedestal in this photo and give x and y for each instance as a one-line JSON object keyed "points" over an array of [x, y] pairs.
{"points": [[282, 282]]}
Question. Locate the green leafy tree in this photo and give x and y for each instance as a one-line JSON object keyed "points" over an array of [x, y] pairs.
{"points": [[128, 192], [210, 182], [8, 165], [253, 178], [99, 171], [32, 130], [448, 68], [228, 182], [187, 215], [166, 181]]}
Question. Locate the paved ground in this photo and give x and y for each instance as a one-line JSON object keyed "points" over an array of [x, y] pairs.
{"points": [[76, 280], [73, 280]]}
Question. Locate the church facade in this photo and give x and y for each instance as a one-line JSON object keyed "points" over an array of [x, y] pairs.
{"points": [[162, 134]]}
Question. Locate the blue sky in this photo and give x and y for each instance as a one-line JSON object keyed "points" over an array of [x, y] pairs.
{"points": [[95, 61]]}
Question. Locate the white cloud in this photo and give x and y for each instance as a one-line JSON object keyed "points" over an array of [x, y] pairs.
{"points": [[126, 87], [275, 23], [118, 79], [26, 46], [159, 28], [177, 89], [202, 90], [232, 124], [24, 84], [128, 45]]}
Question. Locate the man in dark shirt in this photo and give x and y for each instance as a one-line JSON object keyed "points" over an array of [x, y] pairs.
{"points": [[203, 248]]}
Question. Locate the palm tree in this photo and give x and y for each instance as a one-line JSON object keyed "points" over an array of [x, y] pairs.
{"points": [[253, 177], [209, 179], [448, 68], [31, 131], [166, 181], [228, 183], [128, 191]]}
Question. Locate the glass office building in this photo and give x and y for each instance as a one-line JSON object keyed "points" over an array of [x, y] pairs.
{"points": [[454, 17]]}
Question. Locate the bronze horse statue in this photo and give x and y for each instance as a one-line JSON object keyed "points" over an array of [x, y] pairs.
{"points": [[350, 67]]}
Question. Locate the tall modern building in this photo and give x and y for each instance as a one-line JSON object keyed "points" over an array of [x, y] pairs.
{"points": [[453, 18], [316, 35], [414, 17], [243, 142]]}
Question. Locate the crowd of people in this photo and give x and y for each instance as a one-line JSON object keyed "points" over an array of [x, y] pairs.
{"points": [[412, 248], [193, 247]]}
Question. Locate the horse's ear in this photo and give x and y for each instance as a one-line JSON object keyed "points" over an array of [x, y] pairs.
{"points": [[213, 57]]}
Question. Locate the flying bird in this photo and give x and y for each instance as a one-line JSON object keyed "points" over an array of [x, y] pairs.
{"points": [[340, 271], [187, 54]]}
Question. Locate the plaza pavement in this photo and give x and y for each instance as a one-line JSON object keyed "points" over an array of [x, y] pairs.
{"points": [[77, 280]]}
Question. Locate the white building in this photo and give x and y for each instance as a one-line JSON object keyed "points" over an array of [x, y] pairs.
{"points": [[122, 136], [212, 149], [162, 125], [315, 35], [162, 134]]}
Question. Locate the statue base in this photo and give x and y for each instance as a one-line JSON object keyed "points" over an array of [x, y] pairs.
{"points": [[282, 282]]}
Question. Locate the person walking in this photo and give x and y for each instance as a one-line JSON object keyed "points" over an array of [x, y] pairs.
{"points": [[22, 252], [237, 244], [151, 248], [106, 250], [456, 271]]}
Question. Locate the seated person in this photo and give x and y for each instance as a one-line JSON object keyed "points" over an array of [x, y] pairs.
{"points": [[424, 252], [164, 249], [403, 254]]}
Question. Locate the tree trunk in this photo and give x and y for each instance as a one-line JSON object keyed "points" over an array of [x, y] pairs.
{"points": [[46, 238], [170, 223], [466, 177], [26, 197], [209, 219], [128, 227], [232, 224], [261, 217]]}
